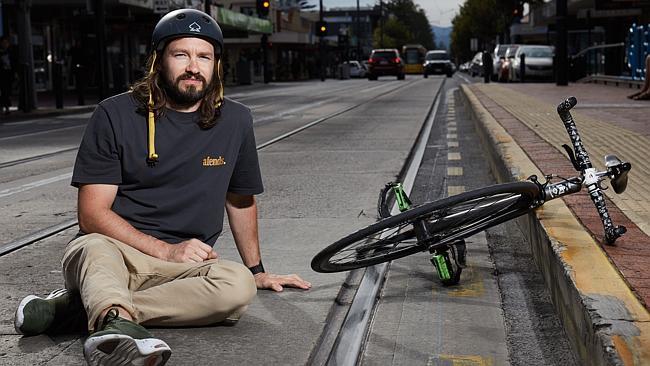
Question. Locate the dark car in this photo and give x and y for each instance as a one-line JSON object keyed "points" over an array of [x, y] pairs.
{"points": [[385, 62], [437, 62]]}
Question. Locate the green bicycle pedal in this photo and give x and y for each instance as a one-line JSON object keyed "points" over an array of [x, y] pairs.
{"points": [[403, 201], [441, 262]]}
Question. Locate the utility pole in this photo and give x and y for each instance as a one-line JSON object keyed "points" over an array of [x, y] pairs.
{"points": [[27, 101], [358, 32], [100, 24], [561, 64], [321, 45], [265, 58], [381, 24]]}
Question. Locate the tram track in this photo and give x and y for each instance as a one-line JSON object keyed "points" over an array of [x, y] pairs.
{"points": [[342, 340], [55, 229]]}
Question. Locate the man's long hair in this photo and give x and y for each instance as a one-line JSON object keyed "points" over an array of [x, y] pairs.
{"points": [[211, 104]]}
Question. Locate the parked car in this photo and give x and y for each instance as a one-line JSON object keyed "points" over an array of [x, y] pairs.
{"points": [[385, 62], [357, 70], [437, 62], [504, 73], [464, 67], [476, 65], [538, 60], [498, 57]]}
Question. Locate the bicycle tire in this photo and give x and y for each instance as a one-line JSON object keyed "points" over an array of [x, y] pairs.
{"points": [[447, 220]]}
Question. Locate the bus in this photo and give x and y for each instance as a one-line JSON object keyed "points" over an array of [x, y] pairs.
{"points": [[413, 55]]}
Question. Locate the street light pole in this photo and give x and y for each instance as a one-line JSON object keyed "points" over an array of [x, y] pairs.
{"points": [[321, 46], [100, 27], [381, 24], [358, 31], [561, 66]]}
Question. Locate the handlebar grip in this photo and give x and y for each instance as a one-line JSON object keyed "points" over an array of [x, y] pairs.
{"points": [[611, 232], [565, 106], [582, 157]]}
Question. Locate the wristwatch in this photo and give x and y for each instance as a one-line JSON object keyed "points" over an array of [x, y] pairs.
{"points": [[258, 268]]}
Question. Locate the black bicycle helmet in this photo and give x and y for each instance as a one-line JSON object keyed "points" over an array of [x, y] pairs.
{"points": [[187, 23]]}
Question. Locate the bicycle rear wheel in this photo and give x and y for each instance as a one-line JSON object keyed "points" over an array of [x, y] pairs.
{"points": [[445, 220]]}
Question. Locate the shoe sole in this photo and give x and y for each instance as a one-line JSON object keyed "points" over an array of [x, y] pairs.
{"points": [[19, 318], [122, 350]]}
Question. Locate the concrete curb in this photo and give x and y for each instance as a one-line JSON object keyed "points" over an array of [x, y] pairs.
{"points": [[605, 322]]}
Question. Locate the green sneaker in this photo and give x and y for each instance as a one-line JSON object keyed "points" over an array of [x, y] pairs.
{"points": [[59, 311], [123, 342]]}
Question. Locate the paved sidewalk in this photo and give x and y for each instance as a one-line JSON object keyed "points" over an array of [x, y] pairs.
{"points": [[609, 123]]}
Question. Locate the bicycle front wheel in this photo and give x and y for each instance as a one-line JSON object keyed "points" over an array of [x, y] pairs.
{"points": [[446, 220]]}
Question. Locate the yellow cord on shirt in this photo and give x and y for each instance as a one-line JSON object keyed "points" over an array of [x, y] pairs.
{"points": [[151, 126]]}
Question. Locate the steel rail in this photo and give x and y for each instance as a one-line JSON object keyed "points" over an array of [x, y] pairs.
{"points": [[35, 157], [348, 345]]}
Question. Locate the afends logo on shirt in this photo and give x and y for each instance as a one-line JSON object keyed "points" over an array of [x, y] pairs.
{"points": [[209, 161]]}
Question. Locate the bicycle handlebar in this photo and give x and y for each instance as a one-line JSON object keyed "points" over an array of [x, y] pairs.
{"points": [[589, 175]]}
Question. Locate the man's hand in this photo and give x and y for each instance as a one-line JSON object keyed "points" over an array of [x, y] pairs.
{"points": [[190, 251], [275, 282]]}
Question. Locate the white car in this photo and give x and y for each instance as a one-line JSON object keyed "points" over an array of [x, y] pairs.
{"points": [[538, 62], [357, 70]]}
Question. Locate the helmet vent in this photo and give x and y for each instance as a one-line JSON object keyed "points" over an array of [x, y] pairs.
{"points": [[180, 16]]}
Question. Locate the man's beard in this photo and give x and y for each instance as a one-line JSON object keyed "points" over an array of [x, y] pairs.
{"points": [[186, 96]]}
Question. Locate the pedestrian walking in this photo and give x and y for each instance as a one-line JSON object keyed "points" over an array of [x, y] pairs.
{"points": [[8, 63], [644, 93], [487, 66], [155, 169]]}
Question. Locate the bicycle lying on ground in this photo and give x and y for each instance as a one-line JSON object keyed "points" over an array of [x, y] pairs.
{"points": [[441, 226]]}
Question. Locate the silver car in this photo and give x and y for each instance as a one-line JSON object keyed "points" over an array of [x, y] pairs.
{"points": [[538, 60]]}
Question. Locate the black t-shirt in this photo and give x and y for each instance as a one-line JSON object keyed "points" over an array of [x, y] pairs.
{"points": [[183, 195]]}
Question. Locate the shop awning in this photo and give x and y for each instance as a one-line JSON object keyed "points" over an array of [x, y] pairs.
{"points": [[242, 22]]}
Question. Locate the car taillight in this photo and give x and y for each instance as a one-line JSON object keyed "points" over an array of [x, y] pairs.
{"points": [[371, 61], [396, 60]]}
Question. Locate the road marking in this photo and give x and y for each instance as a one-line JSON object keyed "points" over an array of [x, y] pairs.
{"points": [[451, 124], [454, 170], [453, 156], [452, 136], [460, 360], [452, 143], [454, 190], [451, 129], [464, 78], [25, 187]]}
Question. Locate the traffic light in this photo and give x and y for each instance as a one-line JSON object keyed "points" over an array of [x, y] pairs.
{"points": [[263, 7], [321, 28]]}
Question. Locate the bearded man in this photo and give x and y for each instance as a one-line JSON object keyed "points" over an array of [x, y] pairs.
{"points": [[149, 218]]}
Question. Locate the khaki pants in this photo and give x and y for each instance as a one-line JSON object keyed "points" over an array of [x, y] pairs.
{"points": [[108, 272]]}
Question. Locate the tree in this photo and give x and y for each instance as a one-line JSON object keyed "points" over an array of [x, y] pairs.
{"points": [[484, 20], [413, 19], [395, 35]]}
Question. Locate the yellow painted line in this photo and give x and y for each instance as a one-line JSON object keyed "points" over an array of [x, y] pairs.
{"points": [[472, 284], [451, 129], [454, 170], [453, 156], [460, 360], [587, 266], [451, 124], [599, 137], [452, 136], [454, 190], [452, 143]]}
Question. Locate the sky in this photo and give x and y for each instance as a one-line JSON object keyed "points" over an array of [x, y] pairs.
{"points": [[439, 12]]}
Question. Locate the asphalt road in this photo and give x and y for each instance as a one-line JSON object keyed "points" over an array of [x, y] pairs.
{"points": [[321, 184]]}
